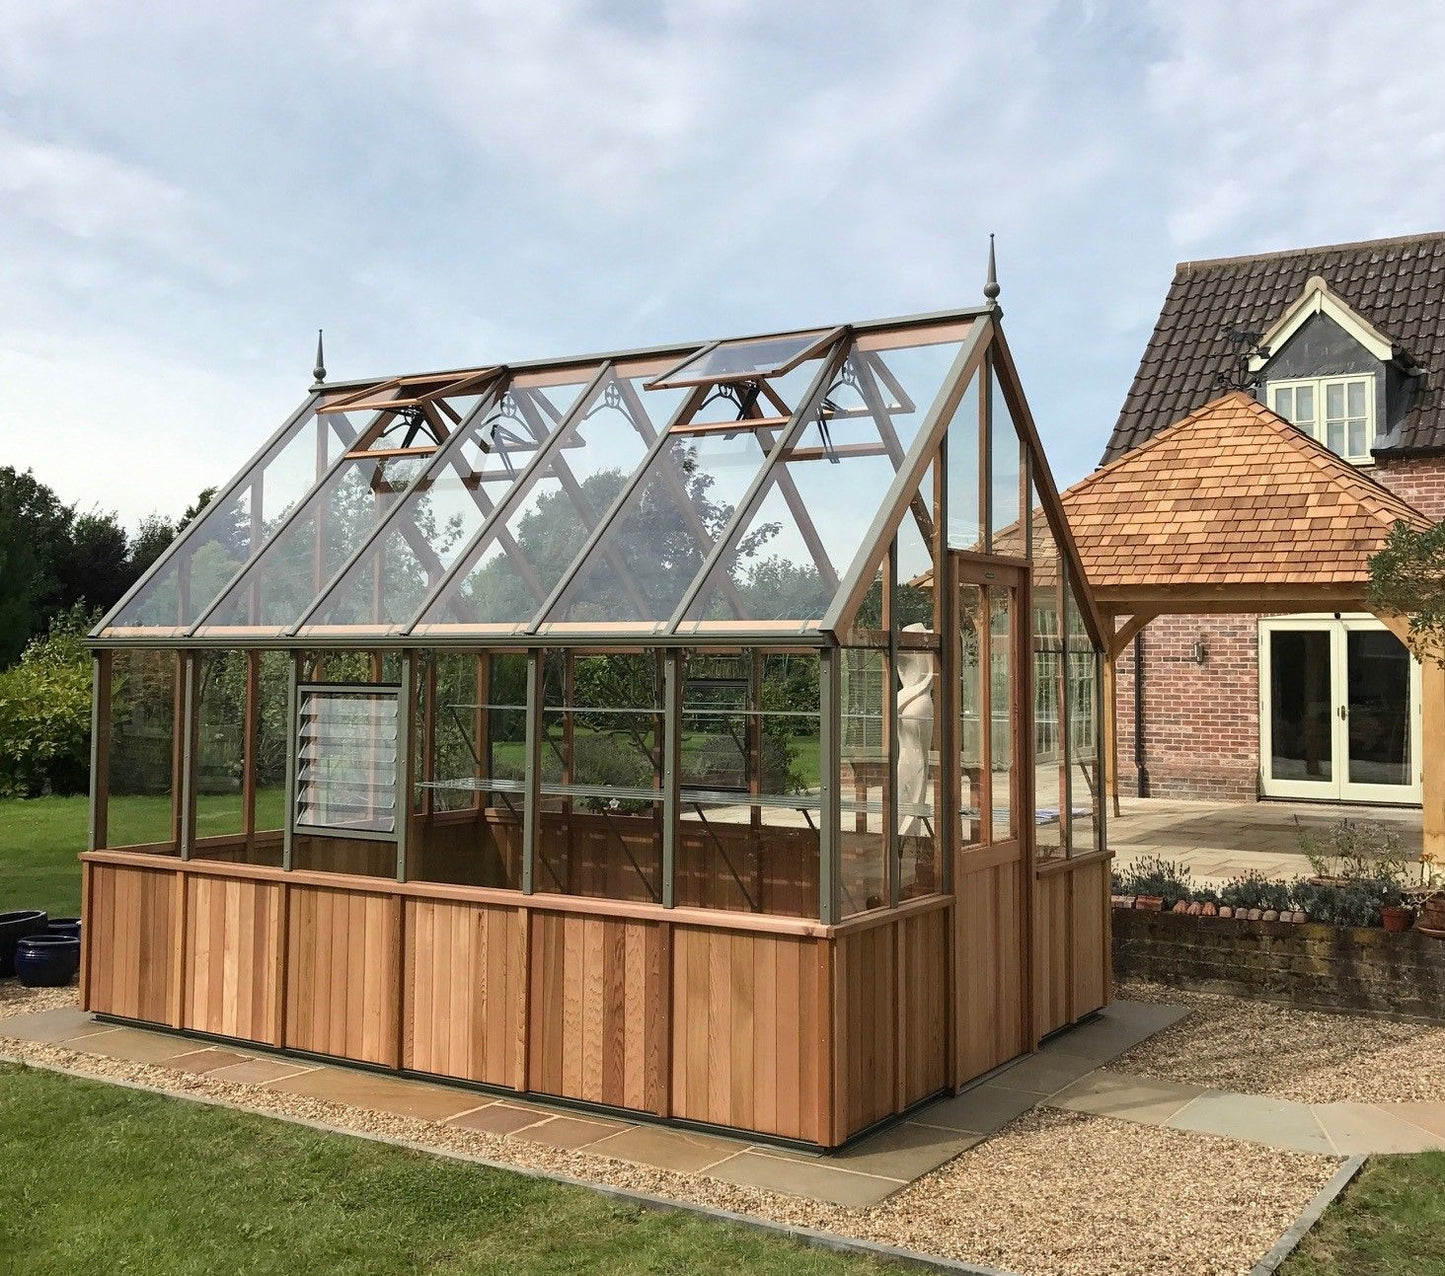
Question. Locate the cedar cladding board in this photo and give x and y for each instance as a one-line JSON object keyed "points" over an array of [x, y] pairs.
{"points": [[1398, 285]]}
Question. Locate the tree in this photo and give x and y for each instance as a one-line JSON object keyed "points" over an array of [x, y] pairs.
{"points": [[152, 538], [33, 523], [1407, 577], [45, 712]]}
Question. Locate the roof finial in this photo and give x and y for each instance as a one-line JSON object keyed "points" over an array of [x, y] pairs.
{"points": [[319, 371], [991, 289]]}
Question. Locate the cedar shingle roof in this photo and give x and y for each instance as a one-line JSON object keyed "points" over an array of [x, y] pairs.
{"points": [[1398, 285], [1232, 495]]}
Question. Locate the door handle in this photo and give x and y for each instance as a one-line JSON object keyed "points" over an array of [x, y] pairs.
{"points": [[1344, 711]]}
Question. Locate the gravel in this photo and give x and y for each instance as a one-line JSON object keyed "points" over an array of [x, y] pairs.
{"points": [[1229, 1043], [1054, 1192]]}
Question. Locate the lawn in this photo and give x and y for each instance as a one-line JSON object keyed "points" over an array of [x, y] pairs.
{"points": [[1390, 1220], [105, 1179]]}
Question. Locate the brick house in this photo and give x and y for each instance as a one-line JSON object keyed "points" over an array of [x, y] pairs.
{"points": [[1348, 343]]}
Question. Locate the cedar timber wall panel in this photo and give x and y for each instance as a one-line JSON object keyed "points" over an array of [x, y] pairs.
{"points": [[750, 1031], [991, 961], [598, 1001], [465, 979], [1071, 944], [343, 986], [232, 958], [131, 935]]}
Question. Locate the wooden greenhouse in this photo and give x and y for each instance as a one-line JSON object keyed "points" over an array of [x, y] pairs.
{"points": [[596, 728]]}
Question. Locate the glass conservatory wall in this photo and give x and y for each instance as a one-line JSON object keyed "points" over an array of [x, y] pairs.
{"points": [[965, 517], [747, 832], [220, 746], [143, 808], [504, 578], [599, 829], [235, 525], [471, 741], [1083, 694]]}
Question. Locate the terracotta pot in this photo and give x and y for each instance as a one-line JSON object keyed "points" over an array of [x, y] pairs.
{"points": [[1209, 910], [1150, 903], [1396, 920], [1256, 914], [1195, 909], [1432, 914], [1180, 906], [1122, 901], [1270, 915], [1226, 911]]}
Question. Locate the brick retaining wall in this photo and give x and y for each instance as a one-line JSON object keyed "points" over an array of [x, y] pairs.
{"points": [[1307, 965]]}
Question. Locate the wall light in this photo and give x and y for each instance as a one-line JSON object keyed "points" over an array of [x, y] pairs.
{"points": [[1198, 652]]}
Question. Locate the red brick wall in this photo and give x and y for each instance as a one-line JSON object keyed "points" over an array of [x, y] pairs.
{"points": [[1421, 482], [1201, 722]]}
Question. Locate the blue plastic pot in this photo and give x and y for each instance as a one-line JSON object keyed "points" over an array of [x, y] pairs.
{"points": [[47, 961], [64, 926], [13, 928]]}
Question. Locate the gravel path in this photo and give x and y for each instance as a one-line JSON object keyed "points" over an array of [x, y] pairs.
{"points": [[1053, 1193], [1229, 1043]]}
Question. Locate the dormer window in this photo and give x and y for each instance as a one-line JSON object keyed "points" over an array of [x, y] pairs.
{"points": [[1337, 411]]}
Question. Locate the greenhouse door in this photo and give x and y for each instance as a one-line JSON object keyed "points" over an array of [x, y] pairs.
{"points": [[994, 726]]}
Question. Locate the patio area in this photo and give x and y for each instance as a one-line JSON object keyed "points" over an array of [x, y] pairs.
{"points": [[1219, 841]]}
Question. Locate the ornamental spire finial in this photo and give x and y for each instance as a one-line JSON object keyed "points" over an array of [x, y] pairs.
{"points": [[991, 289], [319, 371]]}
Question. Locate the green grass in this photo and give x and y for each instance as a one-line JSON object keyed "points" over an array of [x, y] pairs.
{"points": [[104, 1179], [1389, 1222]]}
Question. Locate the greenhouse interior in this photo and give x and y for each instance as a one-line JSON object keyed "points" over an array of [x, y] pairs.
{"points": [[642, 730]]}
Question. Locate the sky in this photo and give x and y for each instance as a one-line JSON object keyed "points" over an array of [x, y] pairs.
{"points": [[188, 191]]}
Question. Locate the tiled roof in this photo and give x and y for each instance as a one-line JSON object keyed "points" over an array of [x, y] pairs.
{"points": [[1232, 495], [1398, 285]]}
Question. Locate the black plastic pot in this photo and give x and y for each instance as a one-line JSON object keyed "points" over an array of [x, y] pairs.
{"points": [[63, 926], [13, 928], [47, 961]]}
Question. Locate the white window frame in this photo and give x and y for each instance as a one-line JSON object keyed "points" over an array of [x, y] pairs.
{"points": [[1317, 429]]}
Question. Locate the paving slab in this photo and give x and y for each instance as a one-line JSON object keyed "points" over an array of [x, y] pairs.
{"points": [[1117, 1029], [261, 1071], [380, 1093], [206, 1060], [905, 1151], [1429, 1117], [1127, 1098], [1046, 1072], [499, 1118], [1253, 1118], [666, 1149], [52, 1026], [814, 1180], [983, 1109], [131, 1044], [569, 1132], [1365, 1129]]}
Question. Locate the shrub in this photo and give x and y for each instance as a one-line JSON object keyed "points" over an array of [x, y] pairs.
{"points": [[45, 713], [1356, 903], [1254, 890], [1357, 850], [1154, 875]]}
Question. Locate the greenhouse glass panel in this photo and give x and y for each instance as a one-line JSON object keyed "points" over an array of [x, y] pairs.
{"points": [[464, 485], [346, 763], [238, 523], [748, 811], [739, 360], [965, 519], [506, 576], [864, 781], [1005, 477], [786, 562], [143, 809], [664, 532]]}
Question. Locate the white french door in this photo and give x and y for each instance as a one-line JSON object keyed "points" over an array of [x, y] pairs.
{"points": [[1339, 711]]}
